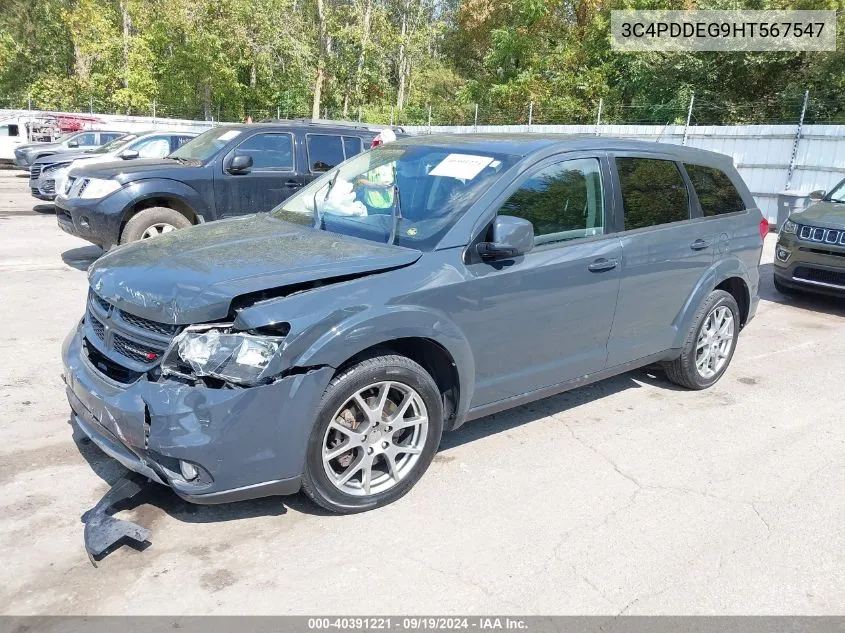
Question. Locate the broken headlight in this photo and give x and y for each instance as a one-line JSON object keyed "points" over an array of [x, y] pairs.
{"points": [[231, 356]]}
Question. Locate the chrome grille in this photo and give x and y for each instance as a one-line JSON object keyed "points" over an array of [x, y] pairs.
{"points": [[35, 171], [138, 341], [153, 326], [821, 235], [96, 325]]}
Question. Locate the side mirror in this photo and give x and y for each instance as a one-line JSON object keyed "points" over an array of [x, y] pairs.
{"points": [[129, 154], [73, 144], [240, 164], [815, 196], [512, 237]]}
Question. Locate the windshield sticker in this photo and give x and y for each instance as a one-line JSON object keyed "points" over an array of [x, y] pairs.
{"points": [[461, 166], [228, 136]]}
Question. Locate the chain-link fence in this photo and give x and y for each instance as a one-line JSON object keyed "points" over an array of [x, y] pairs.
{"points": [[705, 110]]}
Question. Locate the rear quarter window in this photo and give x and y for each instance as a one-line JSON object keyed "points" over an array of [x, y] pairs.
{"points": [[716, 193]]}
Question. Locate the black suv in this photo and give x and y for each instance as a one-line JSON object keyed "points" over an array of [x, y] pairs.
{"points": [[227, 171]]}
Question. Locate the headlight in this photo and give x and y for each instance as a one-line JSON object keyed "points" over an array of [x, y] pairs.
{"points": [[231, 356], [54, 167], [789, 227], [99, 188]]}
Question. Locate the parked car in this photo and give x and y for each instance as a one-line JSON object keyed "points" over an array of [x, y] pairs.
{"points": [[328, 344], [25, 155], [227, 171], [48, 174], [810, 251]]}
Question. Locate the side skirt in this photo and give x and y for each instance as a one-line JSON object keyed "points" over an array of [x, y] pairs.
{"points": [[545, 392]]}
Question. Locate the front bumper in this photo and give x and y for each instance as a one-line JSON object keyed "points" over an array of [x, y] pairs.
{"points": [[246, 442], [95, 220], [813, 267]]}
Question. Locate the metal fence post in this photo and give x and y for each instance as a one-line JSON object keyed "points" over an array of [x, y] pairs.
{"points": [[154, 110], [530, 114], [91, 104], [475, 120], [391, 116], [797, 140], [359, 113], [598, 116], [689, 116], [429, 118], [278, 112]]}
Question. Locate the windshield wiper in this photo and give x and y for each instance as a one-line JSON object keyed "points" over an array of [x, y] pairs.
{"points": [[395, 214]]}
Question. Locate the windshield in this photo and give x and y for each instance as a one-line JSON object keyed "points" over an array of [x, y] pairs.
{"points": [[205, 145], [837, 194], [410, 195], [115, 144]]}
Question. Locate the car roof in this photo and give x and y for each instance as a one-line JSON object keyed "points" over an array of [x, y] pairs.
{"points": [[312, 127], [526, 144]]}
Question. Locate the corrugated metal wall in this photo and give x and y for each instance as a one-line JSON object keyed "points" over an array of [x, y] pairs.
{"points": [[762, 153]]}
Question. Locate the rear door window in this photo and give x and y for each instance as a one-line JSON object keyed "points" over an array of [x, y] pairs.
{"points": [[324, 151], [13, 129], [178, 141], [89, 138], [653, 192], [716, 193], [269, 151], [106, 137], [563, 201]]}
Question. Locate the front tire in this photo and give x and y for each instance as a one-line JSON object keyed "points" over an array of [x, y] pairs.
{"points": [[151, 223], [709, 345], [377, 429]]}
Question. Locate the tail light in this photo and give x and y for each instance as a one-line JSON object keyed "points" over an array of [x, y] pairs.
{"points": [[376, 142], [764, 228]]}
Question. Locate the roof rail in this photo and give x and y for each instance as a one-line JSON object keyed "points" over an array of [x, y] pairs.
{"points": [[335, 123]]}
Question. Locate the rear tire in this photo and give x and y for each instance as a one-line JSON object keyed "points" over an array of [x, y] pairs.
{"points": [[155, 219], [709, 345], [377, 469]]}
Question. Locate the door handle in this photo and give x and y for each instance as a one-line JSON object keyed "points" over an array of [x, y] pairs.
{"points": [[293, 184], [700, 244], [602, 264]]}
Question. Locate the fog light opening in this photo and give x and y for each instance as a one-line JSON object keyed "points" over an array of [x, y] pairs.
{"points": [[782, 254], [189, 471], [83, 222]]}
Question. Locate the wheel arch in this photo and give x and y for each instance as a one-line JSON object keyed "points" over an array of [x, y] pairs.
{"points": [[163, 193], [427, 338], [729, 275]]}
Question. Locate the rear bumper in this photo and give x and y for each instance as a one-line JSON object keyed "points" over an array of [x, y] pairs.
{"points": [[246, 442]]}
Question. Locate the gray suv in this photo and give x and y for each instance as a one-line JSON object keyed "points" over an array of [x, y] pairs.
{"points": [[328, 344]]}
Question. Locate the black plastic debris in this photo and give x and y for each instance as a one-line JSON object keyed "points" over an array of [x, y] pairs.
{"points": [[103, 532]]}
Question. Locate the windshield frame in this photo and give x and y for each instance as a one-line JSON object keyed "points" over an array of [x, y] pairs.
{"points": [[502, 164], [236, 136], [839, 189], [117, 143]]}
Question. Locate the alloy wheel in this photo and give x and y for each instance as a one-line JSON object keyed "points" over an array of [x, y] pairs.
{"points": [[715, 342], [375, 438], [157, 229]]}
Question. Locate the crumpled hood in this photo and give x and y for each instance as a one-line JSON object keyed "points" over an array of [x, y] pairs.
{"points": [[830, 215], [192, 275]]}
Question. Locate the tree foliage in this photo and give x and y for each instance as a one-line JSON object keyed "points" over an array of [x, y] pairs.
{"points": [[405, 58]]}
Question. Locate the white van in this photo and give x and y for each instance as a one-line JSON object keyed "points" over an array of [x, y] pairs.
{"points": [[13, 133]]}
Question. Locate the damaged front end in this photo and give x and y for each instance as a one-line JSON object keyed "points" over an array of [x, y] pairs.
{"points": [[209, 412]]}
